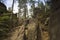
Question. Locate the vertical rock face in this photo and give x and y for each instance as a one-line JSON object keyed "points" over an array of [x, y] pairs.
{"points": [[54, 25], [32, 31], [55, 4], [54, 22]]}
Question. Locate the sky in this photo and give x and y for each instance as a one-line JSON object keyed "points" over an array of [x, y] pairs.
{"points": [[9, 4]]}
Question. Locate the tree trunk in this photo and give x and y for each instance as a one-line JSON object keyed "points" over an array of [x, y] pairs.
{"points": [[12, 14]]}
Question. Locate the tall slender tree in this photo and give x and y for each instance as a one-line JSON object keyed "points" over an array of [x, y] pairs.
{"points": [[12, 14], [22, 5]]}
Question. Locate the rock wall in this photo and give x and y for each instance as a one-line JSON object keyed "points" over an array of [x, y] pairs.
{"points": [[54, 25], [54, 22]]}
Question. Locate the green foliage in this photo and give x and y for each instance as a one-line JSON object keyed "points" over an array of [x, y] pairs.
{"points": [[5, 25]]}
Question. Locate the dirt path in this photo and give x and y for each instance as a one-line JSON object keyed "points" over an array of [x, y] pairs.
{"points": [[18, 33]]}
